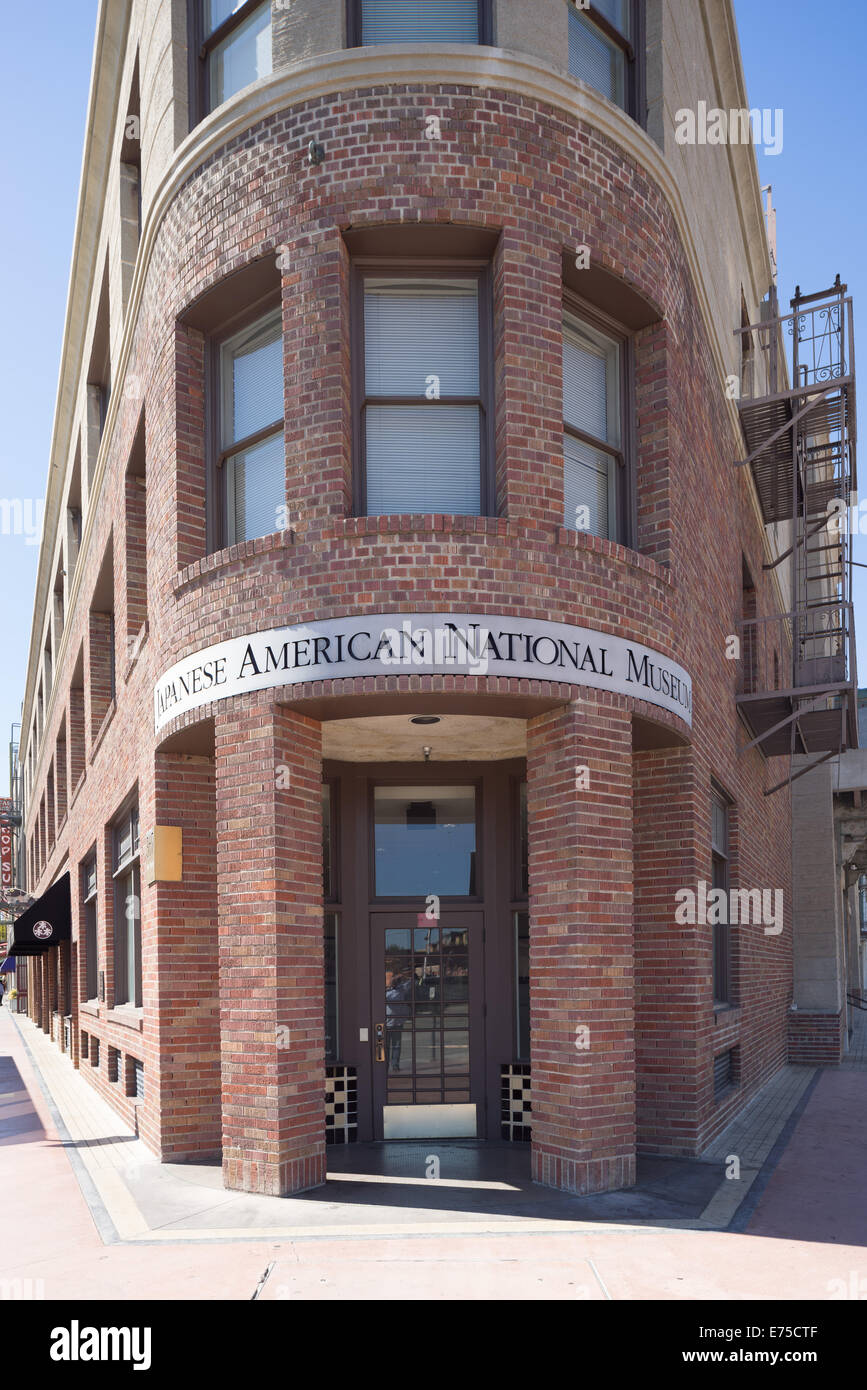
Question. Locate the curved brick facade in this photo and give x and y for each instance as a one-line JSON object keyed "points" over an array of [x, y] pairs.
{"points": [[238, 942]]}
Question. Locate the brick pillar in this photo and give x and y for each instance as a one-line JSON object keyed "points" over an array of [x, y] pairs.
{"points": [[673, 986], [99, 670], [269, 876], [180, 967], [76, 736], [60, 774], [44, 993], [528, 369], [581, 947]]}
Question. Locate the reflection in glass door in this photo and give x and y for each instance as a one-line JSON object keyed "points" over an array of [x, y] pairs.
{"points": [[427, 1009]]}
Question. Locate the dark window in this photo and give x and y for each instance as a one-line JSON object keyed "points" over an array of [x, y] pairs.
{"points": [[522, 984], [425, 841], [127, 910], [331, 893], [423, 394], [230, 47], [595, 485], [247, 415], [91, 965], [332, 1040], [720, 879], [606, 43], [419, 21]]}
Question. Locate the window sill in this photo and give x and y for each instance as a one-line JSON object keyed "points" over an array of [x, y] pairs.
{"points": [[109, 715], [79, 784], [127, 1015], [89, 1006], [219, 559], [136, 648]]}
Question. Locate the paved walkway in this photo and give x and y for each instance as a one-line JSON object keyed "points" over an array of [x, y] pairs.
{"points": [[89, 1212]]}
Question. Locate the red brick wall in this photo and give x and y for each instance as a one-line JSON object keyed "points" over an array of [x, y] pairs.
{"points": [[582, 1040], [815, 1040], [543, 183]]}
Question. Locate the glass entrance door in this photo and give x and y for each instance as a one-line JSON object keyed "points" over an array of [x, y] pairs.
{"points": [[427, 962]]}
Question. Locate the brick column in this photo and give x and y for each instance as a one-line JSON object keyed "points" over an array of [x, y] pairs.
{"points": [[180, 968], [581, 946], [44, 1019], [76, 736], [269, 877], [99, 666]]}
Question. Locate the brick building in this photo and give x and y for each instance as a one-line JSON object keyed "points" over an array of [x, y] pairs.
{"points": [[381, 697]]}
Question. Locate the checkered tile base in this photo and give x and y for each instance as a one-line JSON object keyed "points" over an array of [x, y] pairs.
{"points": [[341, 1105], [515, 1102]]}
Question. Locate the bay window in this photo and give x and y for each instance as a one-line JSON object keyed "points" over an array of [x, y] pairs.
{"points": [[605, 41], [418, 21], [593, 460], [423, 398], [250, 463], [231, 47]]}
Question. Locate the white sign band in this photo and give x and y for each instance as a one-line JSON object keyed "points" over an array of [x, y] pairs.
{"points": [[436, 643]]}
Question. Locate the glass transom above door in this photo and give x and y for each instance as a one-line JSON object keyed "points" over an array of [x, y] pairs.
{"points": [[424, 841]]}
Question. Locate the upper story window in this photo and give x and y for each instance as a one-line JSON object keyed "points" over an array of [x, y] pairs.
{"points": [[419, 21], [423, 399], [232, 44], [251, 481], [604, 45], [89, 898], [593, 460]]}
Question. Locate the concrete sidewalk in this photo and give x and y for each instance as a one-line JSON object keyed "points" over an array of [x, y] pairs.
{"points": [[91, 1214]]}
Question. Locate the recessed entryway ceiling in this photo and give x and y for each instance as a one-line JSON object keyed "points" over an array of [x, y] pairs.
{"points": [[394, 738]]}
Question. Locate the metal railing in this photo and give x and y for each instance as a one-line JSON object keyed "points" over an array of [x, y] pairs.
{"points": [[809, 349], [808, 648]]}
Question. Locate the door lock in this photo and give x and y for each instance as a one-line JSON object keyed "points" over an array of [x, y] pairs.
{"points": [[379, 1035]]}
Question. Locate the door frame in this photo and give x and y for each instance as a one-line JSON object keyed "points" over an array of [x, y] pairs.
{"points": [[497, 876]]}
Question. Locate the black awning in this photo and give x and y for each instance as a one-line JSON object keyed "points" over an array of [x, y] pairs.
{"points": [[47, 922]]}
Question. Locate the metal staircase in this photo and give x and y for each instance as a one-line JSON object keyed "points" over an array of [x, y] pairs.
{"points": [[797, 690]]}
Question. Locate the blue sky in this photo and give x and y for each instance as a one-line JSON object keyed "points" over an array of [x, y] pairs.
{"points": [[800, 56]]}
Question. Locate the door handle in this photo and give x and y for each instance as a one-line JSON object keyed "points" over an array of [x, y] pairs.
{"points": [[379, 1035]]}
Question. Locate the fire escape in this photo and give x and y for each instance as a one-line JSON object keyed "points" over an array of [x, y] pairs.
{"points": [[797, 691]]}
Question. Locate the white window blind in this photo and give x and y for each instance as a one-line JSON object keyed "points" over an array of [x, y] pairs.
{"points": [[416, 330], [422, 337], [591, 390], [419, 21], [252, 399], [242, 57], [594, 59]]}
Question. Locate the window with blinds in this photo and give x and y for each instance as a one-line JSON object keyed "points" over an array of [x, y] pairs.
{"points": [[251, 429], [423, 413], [420, 21], [127, 910], [235, 46], [600, 48], [88, 886], [591, 429]]}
